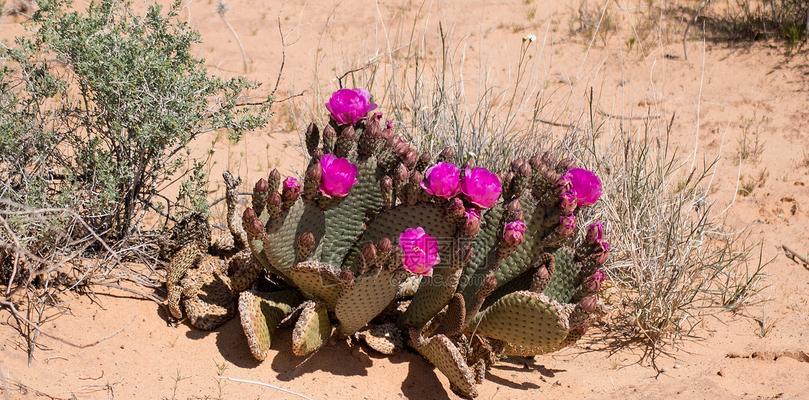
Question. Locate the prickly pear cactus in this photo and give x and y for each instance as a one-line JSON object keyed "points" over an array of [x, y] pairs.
{"points": [[468, 264]]}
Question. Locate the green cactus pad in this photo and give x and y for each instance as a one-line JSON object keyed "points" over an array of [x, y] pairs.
{"points": [[524, 320], [441, 352], [565, 279], [482, 247], [368, 296], [260, 314], [281, 234], [312, 329], [452, 319], [318, 281], [346, 221], [430, 297]]}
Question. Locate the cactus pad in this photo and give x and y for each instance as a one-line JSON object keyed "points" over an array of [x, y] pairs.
{"points": [[442, 352], [260, 314], [312, 329], [524, 320]]}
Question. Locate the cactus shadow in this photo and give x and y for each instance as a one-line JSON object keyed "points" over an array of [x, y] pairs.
{"points": [[508, 383], [337, 359], [232, 345], [526, 366], [422, 380]]}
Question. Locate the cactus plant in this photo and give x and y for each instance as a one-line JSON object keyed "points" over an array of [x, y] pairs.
{"points": [[469, 264]]}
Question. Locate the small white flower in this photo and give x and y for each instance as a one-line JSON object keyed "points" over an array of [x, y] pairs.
{"points": [[530, 38]]}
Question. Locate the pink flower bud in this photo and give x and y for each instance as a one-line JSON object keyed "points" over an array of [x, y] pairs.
{"points": [[419, 251], [262, 186], [481, 187], [442, 180], [593, 283], [456, 209], [347, 106], [514, 233], [589, 304], [585, 184], [291, 188], [338, 176], [603, 253], [567, 201], [471, 226], [595, 232], [567, 225]]}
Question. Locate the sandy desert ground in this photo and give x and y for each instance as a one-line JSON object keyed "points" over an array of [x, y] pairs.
{"points": [[717, 93]]}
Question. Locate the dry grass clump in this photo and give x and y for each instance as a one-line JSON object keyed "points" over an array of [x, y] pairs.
{"points": [[675, 261]]}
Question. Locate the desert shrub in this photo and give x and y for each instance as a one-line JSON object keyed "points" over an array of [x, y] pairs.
{"points": [[786, 20], [675, 261], [97, 111], [98, 108]]}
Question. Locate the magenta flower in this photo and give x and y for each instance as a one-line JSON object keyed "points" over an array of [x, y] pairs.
{"points": [[567, 225], [442, 180], [292, 184], [481, 187], [419, 251], [595, 232], [338, 176], [291, 189], [514, 233], [585, 184], [347, 106]]}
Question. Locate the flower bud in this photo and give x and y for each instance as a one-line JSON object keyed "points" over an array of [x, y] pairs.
{"points": [[262, 186], [369, 253], [567, 225], [589, 303], [471, 225], [251, 223], [595, 232], [329, 138], [567, 201], [456, 209], [514, 233], [312, 138], [290, 192], [604, 252], [273, 180]]}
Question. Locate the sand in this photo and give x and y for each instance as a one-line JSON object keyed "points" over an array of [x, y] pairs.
{"points": [[717, 93]]}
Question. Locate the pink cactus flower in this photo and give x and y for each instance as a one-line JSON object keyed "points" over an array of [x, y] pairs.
{"points": [[419, 251], [514, 233], [442, 180], [595, 232], [338, 176], [567, 225], [347, 106], [291, 184], [585, 184], [567, 201], [481, 187]]}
